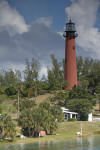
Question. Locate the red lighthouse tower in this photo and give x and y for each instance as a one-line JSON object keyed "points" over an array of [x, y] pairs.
{"points": [[70, 70]]}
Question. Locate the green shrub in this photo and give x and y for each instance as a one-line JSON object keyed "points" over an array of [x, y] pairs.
{"points": [[10, 91], [72, 119]]}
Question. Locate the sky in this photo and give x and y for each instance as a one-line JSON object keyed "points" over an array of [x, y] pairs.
{"points": [[34, 28]]}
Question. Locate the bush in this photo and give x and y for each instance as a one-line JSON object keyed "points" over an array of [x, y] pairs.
{"points": [[10, 91], [72, 119]]}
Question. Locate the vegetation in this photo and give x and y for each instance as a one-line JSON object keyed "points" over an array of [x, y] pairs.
{"points": [[7, 128], [34, 116], [88, 71], [77, 100], [56, 75], [40, 118], [83, 107], [80, 101]]}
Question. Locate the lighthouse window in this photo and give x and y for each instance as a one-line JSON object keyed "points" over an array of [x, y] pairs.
{"points": [[73, 47]]}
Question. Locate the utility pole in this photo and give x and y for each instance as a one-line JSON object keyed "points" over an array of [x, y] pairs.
{"points": [[18, 105], [81, 128]]}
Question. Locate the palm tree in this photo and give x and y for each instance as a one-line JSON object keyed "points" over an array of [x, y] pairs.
{"points": [[7, 127]]}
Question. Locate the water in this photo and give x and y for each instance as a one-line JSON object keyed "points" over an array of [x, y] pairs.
{"points": [[90, 143]]}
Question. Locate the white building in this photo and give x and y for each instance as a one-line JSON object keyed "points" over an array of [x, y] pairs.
{"points": [[69, 114]]}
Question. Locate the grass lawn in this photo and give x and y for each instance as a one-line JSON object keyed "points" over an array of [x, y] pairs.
{"points": [[70, 128], [65, 130]]}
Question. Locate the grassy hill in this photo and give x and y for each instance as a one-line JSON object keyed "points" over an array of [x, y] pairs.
{"points": [[8, 106]]}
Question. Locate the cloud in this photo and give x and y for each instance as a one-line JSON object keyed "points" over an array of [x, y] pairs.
{"points": [[11, 20], [84, 13], [19, 41], [45, 20], [43, 71]]}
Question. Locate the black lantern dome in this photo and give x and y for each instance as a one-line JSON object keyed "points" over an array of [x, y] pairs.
{"points": [[70, 30]]}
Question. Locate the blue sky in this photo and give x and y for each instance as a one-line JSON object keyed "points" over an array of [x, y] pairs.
{"points": [[33, 9], [34, 28]]}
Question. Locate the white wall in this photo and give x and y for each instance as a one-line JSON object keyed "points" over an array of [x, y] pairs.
{"points": [[90, 117]]}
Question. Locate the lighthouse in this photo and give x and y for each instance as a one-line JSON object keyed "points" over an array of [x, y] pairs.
{"points": [[70, 68]]}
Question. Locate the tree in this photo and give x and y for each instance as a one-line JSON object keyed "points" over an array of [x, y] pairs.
{"points": [[10, 78], [85, 84], [88, 70], [80, 101], [82, 106], [10, 91], [31, 121], [31, 75], [57, 113], [79, 92], [2, 78], [97, 93], [52, 113], [18, 76], [25, 104], [77, 99], [7, 128], [60, 97], [79, 67], [31, 72], [40, 118], [56, 75]]}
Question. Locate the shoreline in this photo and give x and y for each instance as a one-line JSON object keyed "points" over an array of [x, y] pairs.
{"points": [[65, 131], [44, 139]]}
